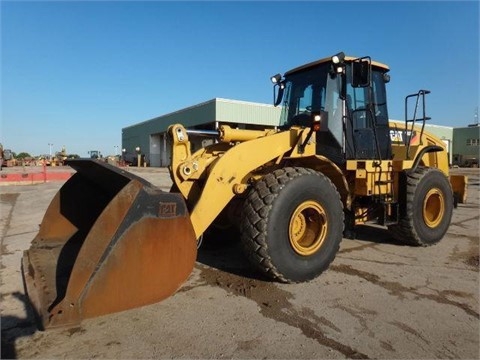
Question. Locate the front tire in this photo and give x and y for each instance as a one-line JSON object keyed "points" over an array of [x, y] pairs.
{"points": [[292, 224], [427, 207]]}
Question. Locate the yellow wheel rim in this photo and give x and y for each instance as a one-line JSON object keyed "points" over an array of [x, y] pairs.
{"points": [[308, 228], [433, 208]]}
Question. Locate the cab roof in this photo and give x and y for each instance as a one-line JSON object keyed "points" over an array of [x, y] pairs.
{"points": [[328, 59]]}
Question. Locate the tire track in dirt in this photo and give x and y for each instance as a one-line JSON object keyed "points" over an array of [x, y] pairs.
{"points": [[9, 199], [12, 327], [274, 303], [398, 290]]}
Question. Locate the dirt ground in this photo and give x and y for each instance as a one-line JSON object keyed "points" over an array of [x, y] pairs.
{"points": [[379, 299]]}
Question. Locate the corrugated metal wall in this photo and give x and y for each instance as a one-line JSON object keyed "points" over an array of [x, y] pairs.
{"points": [[247, 113], [148, 135], [465, 144]]}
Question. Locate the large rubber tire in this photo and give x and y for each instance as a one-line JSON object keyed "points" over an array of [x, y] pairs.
{"points": [[426, 208], [292, 224]]}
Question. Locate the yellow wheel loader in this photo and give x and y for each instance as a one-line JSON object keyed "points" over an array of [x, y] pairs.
{"points": [[111, 241]]}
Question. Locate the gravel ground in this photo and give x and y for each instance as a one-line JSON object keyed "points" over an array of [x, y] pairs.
{"points": [[379, 299]]}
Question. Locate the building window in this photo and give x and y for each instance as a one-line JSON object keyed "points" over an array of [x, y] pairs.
{"points": [[473, 142]]}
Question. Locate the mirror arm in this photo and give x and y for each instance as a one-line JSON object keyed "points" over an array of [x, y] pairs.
{"points": [[278, 98]]}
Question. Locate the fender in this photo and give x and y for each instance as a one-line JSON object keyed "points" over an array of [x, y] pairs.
{"points": [[425, 150]]}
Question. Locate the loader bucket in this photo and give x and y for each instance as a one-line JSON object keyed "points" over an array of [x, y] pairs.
{"points": [[109, 241]]}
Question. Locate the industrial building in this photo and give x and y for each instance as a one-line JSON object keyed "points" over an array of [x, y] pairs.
{"points": [[466, 146], [148, 139]]}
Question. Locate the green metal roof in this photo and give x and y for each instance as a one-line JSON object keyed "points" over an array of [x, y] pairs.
{"points": [[222, 110]]}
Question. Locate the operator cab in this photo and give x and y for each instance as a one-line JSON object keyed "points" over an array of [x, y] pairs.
{"points": [[350, 97]]}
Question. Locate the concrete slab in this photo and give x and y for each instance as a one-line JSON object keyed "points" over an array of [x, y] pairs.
{"points": [[379, 299]]}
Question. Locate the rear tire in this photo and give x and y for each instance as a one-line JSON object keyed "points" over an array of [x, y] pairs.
{"points": [[426, 209], [292, 224]]}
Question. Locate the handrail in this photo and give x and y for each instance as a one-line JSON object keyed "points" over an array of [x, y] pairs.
{"points": [[408, 137]]}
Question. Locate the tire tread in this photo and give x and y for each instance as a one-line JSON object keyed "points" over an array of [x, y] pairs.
{"points": [[255, 219], [405, 231]]}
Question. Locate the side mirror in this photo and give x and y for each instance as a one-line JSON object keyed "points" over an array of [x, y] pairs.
{"points": [[361, 72]]}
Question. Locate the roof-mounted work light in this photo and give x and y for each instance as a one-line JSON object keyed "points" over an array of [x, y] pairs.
{"points": [[276, 78], [338, 58], [338, 65]]}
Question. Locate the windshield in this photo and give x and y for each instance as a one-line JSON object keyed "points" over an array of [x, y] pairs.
{"points": [[309, 90], [313, 90]]}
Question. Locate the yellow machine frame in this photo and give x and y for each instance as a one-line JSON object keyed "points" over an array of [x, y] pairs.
{"points": [[215, 173]]}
